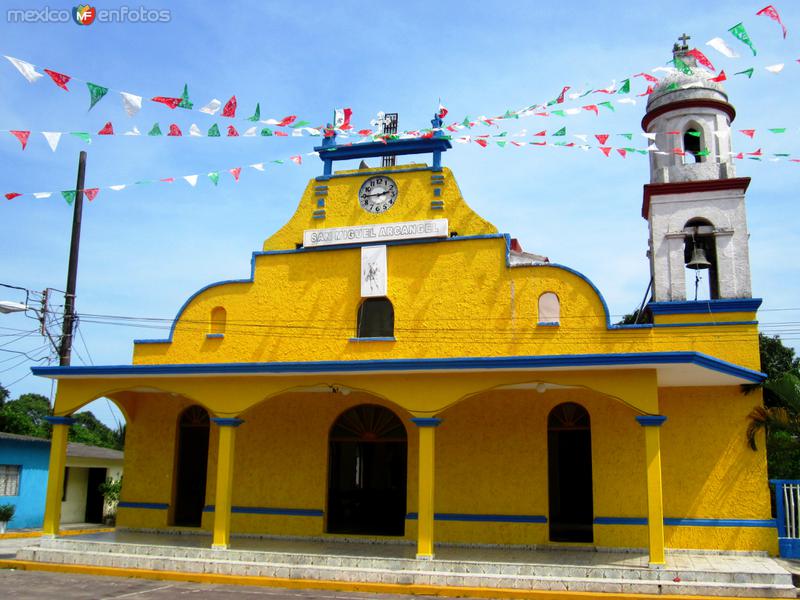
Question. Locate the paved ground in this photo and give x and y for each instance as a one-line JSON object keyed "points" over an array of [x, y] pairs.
{"points": [[38, 585]]}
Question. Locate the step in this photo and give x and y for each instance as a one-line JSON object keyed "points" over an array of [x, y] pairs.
{"points": [[415, 572]]}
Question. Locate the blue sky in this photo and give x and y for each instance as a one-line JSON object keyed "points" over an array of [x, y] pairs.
{"points": [[145, 249]]}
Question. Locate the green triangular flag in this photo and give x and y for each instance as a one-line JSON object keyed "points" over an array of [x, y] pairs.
{"points": [[694, 133], [502, 144], [510, 115], [642, 151], [256, 115], [559, 143], [214, 176], [552, 102], [748, 72], [213, 131], [185, 102], [626, 135], [703, 153], [156, 130], [82, 135], [753, 158], [629, 149], [586, 93], [504, 134], [607, 105], [266, 131], [681, 66], [781, 154], [279, 162], [96, 92], [69, 196], [143, 182], [559, 112], [465, 122], [562, 131], [300, 124], [778, 130], [740, 33], [625, 88], [672, 86]]}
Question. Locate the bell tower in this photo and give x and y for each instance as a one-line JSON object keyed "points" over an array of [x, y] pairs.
{"points": [[694, 203]]}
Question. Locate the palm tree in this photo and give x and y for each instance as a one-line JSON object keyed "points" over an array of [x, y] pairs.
{"points": [[781, 422]]}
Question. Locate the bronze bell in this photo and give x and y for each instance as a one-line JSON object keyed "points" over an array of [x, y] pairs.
{"points": [[699, 260]]}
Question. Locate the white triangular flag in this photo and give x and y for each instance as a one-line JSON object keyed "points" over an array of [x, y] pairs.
{"points": [[584, 148], [581, 136], [212, 107], [118, 187], [52, 137], [572, 111], [520, 133], [650, 136], [251, 132], [27, 70], [191, 179], [258, 166], [775, 68], [298, 133], [42, 194], [270, 121], [131, 103], [194, 131], [627, 101], [720, 46], [134, 131], [312, 153], [664, 70], [652, 148]]}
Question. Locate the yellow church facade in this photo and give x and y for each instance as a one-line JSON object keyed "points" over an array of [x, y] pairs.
{"points": [[397, 369]]}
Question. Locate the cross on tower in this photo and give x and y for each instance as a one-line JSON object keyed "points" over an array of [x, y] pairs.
{"points": [[685, 38]]}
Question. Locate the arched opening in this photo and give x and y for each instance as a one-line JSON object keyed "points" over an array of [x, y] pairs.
{"points": [[549, 309], [693, 145], [569, 459], [218, 318], [375, 318], [700, 258], [191, 467], [368, 455]]}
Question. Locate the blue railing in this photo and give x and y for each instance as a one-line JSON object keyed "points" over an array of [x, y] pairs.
{"points": [[787, 505]]}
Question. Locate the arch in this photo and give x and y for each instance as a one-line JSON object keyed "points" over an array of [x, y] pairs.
{"points": [[218, 320], [569, 461], [191, 466], [693, 143], [367, 472], [375, 318], [699, 242], [549, 309]]}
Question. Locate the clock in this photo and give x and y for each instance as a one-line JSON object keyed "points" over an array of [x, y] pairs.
{"points": [[377, 194]]}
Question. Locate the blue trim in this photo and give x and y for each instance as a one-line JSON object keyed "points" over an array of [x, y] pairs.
{"points": [[60, 420], [426, 421], [651, 420], [225, 422], [373, 339], [371, 173], [720, 522], [147, 505], [263, 510], [475, 518], [215, 336], [414, 364], [780, 516], [437, 192], [459, 238], [390, 148], [320, 202], [714, 324], [705, 306], [437, 206], [789, 547], [548, 324], [320, 187], [620, 520]]}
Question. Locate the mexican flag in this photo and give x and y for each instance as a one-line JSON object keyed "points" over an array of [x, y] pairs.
{"points": [[341, 118]]}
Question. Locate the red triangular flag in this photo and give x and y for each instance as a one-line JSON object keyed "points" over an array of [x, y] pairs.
{"points": [[622, 152], [560, 98], [648, 77], [673, 132], [12, 195], [602, 138], [168, 179], [701, 58], [541, 133], [236, 171], [772, 13], [481, 143], [364, 132], [59, 79], [647, 92], [91, 193], [756, 153], [171, 102], [232, 131], [174, 131], [606, 150], [719, 78], [592, 107], [748, 132], [287, 120], [739, 156], [107, 129], [281, 134], [298, 160], [679, 152], [22, 136], [230, 108], [538, 143]]}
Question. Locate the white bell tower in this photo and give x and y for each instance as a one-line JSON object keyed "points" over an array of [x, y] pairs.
{"points": [[694, 203]]}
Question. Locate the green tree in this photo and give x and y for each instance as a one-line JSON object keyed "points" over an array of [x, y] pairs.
{"points": [[26, 416], [3, 396], [88, 429]]}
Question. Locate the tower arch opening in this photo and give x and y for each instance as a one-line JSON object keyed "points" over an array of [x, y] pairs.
{"points": [[700, 258]]}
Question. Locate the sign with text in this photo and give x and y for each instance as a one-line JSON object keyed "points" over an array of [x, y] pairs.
{"points": [[384, 232]]}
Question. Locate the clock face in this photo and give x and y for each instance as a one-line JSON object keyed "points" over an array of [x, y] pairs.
{"points": [[377, 194]]}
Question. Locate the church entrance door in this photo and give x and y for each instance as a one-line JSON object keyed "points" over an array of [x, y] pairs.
{"points": [[192, 464], [368, 452], [569, 453]]}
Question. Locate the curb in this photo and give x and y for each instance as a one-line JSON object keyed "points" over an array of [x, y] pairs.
{"points": [[63, 532], [340, 586]]}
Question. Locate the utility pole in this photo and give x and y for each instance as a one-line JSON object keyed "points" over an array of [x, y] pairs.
{"points": [[72, 273]]}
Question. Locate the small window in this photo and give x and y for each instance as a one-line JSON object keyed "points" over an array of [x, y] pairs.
{"points": [[376, 318], [9, 480], [692, 144], [218, 317], [549, 309]]}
